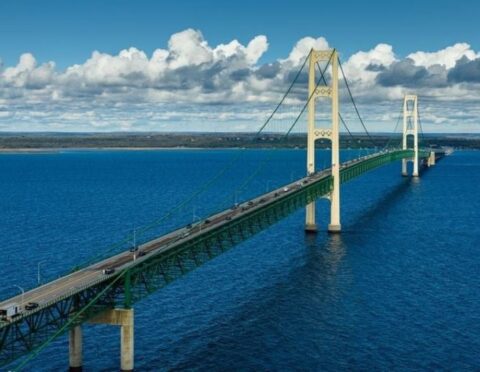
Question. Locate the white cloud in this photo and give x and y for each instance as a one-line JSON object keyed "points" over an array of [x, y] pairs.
{"points": [[190, 77], [188, 48], [446, 57], [303, 47], [357, 66], [26, 73]]}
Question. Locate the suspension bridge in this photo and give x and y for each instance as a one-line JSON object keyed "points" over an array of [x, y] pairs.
{"points": [[105, 291]]}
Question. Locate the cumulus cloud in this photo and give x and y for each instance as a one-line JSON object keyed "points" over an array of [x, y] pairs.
{"points": [[406, 73], [465, 71], [27, 74], [303, 47], [132, 90], [446, 57]]}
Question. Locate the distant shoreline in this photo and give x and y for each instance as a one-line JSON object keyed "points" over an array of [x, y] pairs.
{"points": [[41, 143]]}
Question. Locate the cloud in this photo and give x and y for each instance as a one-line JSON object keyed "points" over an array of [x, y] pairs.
{"points": [[446, 57], [405, 73], [465, 71], [190, 79], [27, 74], [302, 48]]}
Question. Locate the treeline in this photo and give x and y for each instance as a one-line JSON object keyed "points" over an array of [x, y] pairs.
{"points": [[213, 140]]}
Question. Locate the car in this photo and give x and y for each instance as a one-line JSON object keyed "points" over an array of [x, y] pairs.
{"points": [[262, 200], [189, 226], [31, 306], [142, 253], [134, 249], [244, 209], [285, 189], [250, 202], [276, 194], [305, 182], [228, 218], [108, 271], [184, 235], [207, 221]]}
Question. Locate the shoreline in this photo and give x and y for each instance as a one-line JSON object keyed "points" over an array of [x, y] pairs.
{"points": [[55, 150]]}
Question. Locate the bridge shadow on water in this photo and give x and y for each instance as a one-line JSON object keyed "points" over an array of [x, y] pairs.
{"points": [[292, 322]]}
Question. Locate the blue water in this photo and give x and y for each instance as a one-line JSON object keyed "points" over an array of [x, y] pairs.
{"points": [[397, 290]]}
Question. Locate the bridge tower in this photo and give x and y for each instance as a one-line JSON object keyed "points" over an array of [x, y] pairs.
{"points": [[331, 133], [410, 127]]}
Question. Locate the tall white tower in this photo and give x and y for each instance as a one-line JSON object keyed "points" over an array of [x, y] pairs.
{"points": [[410, 127], [331, 133]]}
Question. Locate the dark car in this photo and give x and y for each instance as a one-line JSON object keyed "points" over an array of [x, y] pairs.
{"points": [[31, 306], [108, 271], [250, 202], [142, 253], [207, 221], [133, 249], [189, 226]]}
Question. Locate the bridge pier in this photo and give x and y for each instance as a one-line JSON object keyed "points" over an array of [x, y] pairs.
{"points": [[431, 159], [404, 168], [75, 349], [124, 319]]}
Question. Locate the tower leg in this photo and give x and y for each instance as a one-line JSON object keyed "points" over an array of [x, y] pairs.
{"points": [[334, 226], [75, 349], [415, 159], [127, 346], [415, 168], [404, 168], [310, 225]]}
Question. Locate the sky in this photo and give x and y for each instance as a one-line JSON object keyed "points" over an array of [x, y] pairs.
{"points": [[216, 65]]}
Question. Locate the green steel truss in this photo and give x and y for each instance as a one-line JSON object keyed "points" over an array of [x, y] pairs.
{"points": [[26, 333]]}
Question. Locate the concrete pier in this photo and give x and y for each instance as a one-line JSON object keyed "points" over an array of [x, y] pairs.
{"points": [[334, 229], [124, 319], [75, 349]]}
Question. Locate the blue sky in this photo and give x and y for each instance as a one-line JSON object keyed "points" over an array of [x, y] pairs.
{"points": [[68, 32]]}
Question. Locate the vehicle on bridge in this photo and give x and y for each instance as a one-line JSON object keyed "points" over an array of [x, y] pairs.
{"points": [[10, 311]]}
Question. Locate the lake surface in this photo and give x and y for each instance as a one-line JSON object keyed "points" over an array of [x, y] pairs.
{"points": [[397, 290]]}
